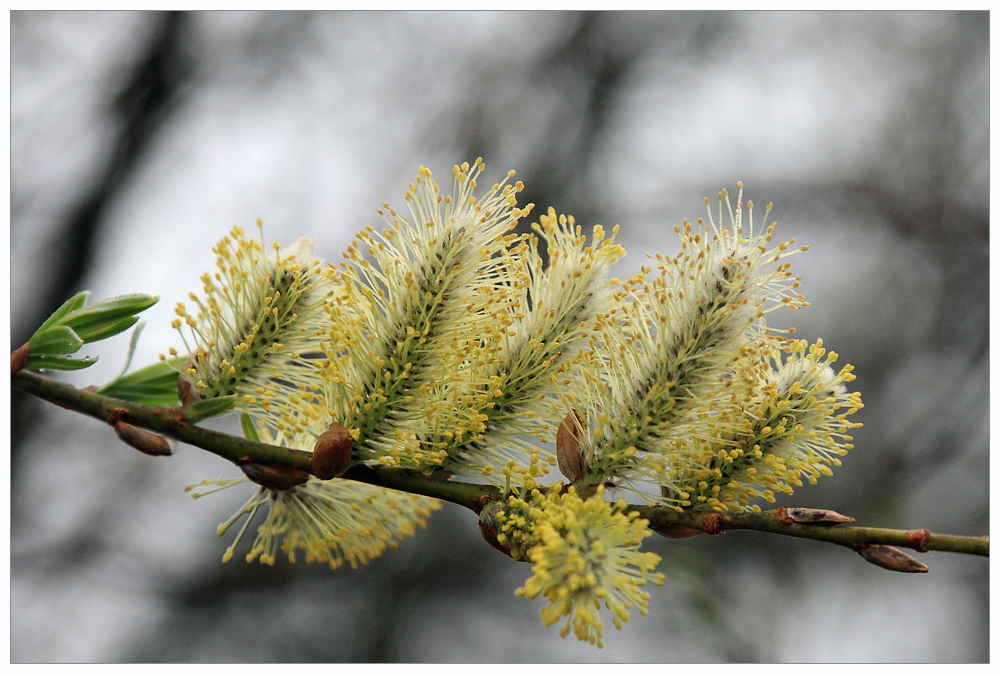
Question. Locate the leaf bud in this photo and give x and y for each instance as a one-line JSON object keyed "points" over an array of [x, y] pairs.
{"points": [[274, 477], [813, 516], [675, 532], [19, 358], [890, 558], [143, 440]]}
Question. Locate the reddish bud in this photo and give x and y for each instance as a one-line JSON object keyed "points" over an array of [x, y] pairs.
{"points": [[332, 452], [919, 539], [19, 358], [274, 477], [490, 536], [143, 440], [713, 524], [890, 558], [812, 516], [117, 414], [568, 453]]}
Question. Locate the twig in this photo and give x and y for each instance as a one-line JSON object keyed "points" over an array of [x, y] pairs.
{"points": [[772, 521], [170, 421]]}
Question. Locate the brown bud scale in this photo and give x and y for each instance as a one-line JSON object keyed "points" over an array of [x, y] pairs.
{"points": [[143, 440], [332, 452], [568, 453], [890, 558], [674, 532], [490, 536], [19, 358], [713, 524], [489, 524], [813, 516], [919, 539], [117, 414], [274, 477]]}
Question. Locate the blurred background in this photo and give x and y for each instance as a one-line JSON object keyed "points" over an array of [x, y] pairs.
{"points": [[139, 139]]}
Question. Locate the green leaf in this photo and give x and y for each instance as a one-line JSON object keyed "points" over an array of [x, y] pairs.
{"points": [[54, 341], [101, 328], [72, 304], [203, 409], [120, 305], [131, 349], [57, 363], [104, 319], [153, 385], [249, 431]]}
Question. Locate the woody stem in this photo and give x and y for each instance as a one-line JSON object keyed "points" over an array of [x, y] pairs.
{"points": [[771, 521], [170, 422]]}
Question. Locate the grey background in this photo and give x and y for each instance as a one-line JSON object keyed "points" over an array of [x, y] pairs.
{"points": [[139, 139]]}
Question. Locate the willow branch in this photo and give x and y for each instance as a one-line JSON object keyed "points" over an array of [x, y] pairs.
{"points": [[170, 421], [777, 522]]}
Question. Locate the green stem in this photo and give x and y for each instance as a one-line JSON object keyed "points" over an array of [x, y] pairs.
{"points": [[771, 521], [166, 420], [465, 494], [170, 422]]}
